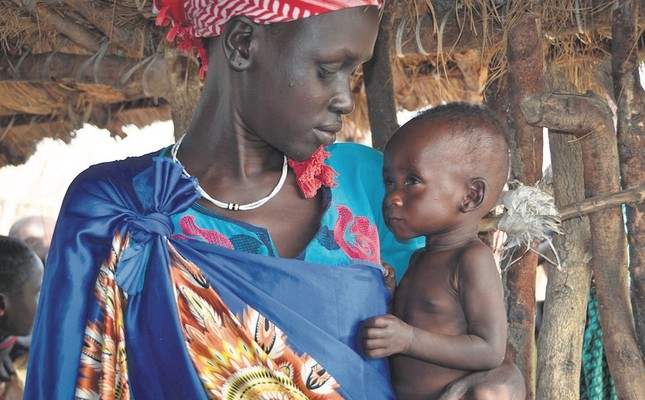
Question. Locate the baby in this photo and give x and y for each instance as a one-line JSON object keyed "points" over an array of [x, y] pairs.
{"points": [[443, 171]]}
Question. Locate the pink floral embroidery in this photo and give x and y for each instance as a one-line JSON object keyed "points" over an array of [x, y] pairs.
{"points": [[189, 228], [364, 242]]}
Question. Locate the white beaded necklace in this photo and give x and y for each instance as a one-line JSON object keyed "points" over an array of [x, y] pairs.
{"points": [[233, 206]]}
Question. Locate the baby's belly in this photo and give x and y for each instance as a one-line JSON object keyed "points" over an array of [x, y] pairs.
{"points": [[413, 379]]}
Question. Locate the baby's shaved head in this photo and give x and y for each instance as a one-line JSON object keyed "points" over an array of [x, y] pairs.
{"points": [[476, 129]]}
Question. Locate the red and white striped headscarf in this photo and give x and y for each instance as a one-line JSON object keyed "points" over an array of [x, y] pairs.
{"points": [[195, 19]]}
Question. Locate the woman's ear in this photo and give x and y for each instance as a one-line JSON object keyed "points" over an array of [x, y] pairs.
{"points": [[237, 42], [475, 195]]}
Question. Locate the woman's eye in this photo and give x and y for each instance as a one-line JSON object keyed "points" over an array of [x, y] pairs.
{"points": [[329, 68], [326, 72]]}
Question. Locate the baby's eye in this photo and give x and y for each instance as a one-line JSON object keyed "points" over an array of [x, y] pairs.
{"points": [[387, 182], [412, 180]]}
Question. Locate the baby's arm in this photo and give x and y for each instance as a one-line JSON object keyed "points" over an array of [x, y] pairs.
{"points": [[482, 347], [482, 299]]}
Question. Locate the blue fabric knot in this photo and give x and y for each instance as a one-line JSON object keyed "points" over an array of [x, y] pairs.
{"points": [[162, 191], [143, 226]]}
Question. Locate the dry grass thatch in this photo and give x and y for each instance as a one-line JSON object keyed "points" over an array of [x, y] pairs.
{"points": [[577, 33]]}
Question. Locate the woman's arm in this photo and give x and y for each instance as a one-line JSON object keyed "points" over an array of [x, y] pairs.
{"points": [[502, 383]]}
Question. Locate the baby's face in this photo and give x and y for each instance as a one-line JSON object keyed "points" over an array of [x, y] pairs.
{"points": [[423, 182]]}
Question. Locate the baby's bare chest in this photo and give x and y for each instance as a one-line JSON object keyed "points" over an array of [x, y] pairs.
{"points": [[427, 297]]}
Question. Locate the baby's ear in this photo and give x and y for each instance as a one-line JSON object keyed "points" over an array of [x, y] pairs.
{"points": [[476, 193], [237, 42]]}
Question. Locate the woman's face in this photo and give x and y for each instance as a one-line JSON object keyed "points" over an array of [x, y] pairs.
{"points": [[298, 84]]}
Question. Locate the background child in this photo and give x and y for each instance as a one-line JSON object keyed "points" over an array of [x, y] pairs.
{"points": [[21, 273], [36, 231], [443, 171]]}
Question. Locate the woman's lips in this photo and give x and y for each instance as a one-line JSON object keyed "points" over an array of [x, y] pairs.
{"points": [[327, 133]]}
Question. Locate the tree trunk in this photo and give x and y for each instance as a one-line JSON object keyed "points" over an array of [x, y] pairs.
{"points": [[630, 101], [379, 87], [565, 306], [525, 70], [576, 114]]}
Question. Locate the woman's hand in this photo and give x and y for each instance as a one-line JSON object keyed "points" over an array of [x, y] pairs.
{"points": [[502, 383], [389, 275]]}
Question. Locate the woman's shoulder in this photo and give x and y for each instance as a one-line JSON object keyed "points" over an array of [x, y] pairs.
{"points": [[102, 180], [123, 168], [355, 157], [355, 150], [359, 171]]}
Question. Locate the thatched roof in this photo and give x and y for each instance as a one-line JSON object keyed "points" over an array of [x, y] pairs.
{"points": [[71, 62]]}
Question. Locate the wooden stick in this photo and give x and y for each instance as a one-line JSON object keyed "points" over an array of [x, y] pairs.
{"points": [[73, 31], [97, 14], [585, 207]]}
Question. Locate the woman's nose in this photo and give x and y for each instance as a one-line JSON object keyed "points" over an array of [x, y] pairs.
{"points": [[343, 102]]}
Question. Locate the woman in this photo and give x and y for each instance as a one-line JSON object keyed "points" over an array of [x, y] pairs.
{"points": [[241, 261]]}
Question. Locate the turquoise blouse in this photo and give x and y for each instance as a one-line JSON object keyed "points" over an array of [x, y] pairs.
{"points": [[351, 227]]}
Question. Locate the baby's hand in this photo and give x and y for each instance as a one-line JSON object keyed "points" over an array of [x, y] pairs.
{"points": [[385, 335], [389, 275]]}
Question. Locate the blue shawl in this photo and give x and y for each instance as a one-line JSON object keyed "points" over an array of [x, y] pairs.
{"points": [[118, 220]]}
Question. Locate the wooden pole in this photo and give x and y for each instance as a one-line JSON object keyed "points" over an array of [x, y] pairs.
{"points": [[560, 338], [525, 70], [590, 120], [379, 87], [630, 101]]}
